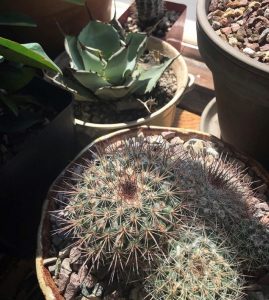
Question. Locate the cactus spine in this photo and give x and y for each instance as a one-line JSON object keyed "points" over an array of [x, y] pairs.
{"points": [[197, 267], [149, 12]]}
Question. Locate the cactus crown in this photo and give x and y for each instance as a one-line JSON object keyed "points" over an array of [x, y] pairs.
{"points": [[104, 62], [125, 207]]}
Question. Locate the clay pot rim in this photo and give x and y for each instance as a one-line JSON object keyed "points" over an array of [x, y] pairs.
{"points": [[233, 54], [45, 280]]}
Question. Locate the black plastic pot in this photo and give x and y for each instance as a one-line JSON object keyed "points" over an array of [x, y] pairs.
{"points": [[242, 90], [25, 179]]}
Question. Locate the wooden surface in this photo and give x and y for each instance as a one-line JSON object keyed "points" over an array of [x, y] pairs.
{"points": [[192, 104]]}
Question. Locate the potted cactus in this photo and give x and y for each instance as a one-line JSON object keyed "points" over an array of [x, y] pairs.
{"points": [[102, 66], [154, 213]]}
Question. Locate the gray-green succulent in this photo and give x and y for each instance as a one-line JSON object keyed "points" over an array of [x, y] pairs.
{"points": [[104, 62]]}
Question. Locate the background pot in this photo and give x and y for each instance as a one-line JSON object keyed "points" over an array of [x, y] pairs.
{"points": [[25, 179], [242, 90], [46, 282], [163, 117], [175, 34], [46, 13]]}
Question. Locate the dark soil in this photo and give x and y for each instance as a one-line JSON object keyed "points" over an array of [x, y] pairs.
{"points": [[130, 108], [244, 24]]}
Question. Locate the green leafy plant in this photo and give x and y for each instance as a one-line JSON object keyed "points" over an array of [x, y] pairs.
{"points": [[104, 61], [18, 65]]}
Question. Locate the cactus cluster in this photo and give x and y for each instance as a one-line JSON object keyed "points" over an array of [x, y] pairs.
{"points": [[135, 209], [149, 12], [197, 267], [104, 62]]}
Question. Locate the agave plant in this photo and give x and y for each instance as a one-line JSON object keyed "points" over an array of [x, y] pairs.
{"points": [[104, 62]]}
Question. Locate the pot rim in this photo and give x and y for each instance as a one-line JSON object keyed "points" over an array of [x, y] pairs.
{"points": [[141, 121], [46, 284], [234, 54]]}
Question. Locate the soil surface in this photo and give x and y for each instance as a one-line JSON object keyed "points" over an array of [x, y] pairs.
{"points": [[244, 24]]}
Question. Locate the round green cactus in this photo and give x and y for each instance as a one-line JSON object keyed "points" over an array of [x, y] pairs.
{"points": [[197, 267], [125, 207]]}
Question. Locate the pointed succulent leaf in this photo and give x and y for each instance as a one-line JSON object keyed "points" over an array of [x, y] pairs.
{"points": [[91, 61], [28, 54], [100, 36], [137, 44], [68, 83], [116, 66], [117, 25], [16, 19], [70, 44], [149, 78], [116, 92], [91, 81]]}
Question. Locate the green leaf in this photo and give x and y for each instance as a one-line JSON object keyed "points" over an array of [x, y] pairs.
{"points": [[117, 25], [149, 78], [137, 44], [90, 80], [28, 54], [91, 61], [14, 78], [78, 2], [70, 44], [8, 102], [122, 63], [16, 19], [116, 92], [100, 36]]}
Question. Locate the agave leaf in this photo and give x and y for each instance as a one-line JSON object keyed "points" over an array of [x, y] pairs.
{"points": [[91, 81], [121, 64], [116, 92], [70, 44], [117, 25], [16, 19], [137, 45], [100, 36], [68, 83], [149, 78], [29, 54], [116, 66], [91, 61]]}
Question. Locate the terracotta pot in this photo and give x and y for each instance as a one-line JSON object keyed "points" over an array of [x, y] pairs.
{"points": [[242, 90], [70, 17], [163, 117], [46, 282]]}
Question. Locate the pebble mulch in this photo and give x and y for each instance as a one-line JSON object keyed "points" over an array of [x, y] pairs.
{"points": [[72, 276], [244, 24]]}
